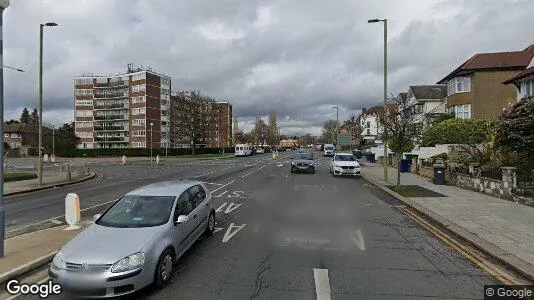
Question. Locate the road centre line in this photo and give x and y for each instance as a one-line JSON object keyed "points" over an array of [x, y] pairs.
{"points": [[322, 284], [225, 185], [247, 174]]}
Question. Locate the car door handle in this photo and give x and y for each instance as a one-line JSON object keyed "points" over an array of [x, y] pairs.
{"points": [[195, 216], [207, 204]]}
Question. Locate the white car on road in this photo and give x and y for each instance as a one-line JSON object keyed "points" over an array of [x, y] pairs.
{"points": [[344, 164]]}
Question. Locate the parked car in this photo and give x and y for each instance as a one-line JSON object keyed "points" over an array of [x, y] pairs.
{"points": [[344, 164], [136, 241], [260, 150], [302, 162]]}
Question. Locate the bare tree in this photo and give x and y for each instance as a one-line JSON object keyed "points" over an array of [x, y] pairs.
{"points": [[329, 131], [352, 125], [272, 129]]}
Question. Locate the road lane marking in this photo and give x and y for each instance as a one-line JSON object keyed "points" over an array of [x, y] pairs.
{"points": [[247, 174], [204, 174], [357, 237], [225, 185], [322, 284], [217, 229], [229, 233], [261, 167], [212, 183]]}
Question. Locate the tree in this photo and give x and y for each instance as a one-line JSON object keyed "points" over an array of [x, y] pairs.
{"points": [[515, 133], [12, 121], [261, 132], [195, 119], [34, 117], [329, 131], [272, 130], [398, 125], [25, 116], [354, 128], [66, 140], [474, 138]]}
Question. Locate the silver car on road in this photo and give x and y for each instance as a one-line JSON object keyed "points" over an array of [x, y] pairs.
{"points": [[135, 241]]}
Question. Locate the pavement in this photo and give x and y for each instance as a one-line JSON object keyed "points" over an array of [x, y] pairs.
{"points": [[286, 236], [501, 228]]}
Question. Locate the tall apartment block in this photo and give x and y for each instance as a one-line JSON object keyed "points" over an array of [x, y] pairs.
{"points": [[223, 135], [128, 110]]}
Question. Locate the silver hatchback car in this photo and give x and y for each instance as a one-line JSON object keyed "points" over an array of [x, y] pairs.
{"points": [[135, 241]]}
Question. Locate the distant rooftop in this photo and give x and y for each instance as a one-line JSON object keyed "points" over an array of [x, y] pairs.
{"points": [[131, 69]]}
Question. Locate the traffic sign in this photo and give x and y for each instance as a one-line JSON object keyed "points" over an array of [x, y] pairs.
{"points": [[345, 139]]}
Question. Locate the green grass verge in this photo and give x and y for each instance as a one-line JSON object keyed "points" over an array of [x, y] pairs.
{"points": [[17, 176]]}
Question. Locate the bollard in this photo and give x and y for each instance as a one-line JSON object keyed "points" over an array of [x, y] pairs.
{"points": [[45, 158], [67, 167], [124, 159], [69, 176], [85, 169], [157, 160], [72, 211], [60, 168], [52, 158]]}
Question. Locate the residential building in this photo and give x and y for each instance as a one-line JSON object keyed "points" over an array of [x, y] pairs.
{"points": [[223, 134], [19, 135], [426, 104], [369, 121], [524, 83], [127, 110], [475, 89]]}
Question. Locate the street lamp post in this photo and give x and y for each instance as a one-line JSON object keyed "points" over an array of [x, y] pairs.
{"points": [[40, 160], [151, 139], [53, 139], [385, 21], [337, 126], [3, 5]]}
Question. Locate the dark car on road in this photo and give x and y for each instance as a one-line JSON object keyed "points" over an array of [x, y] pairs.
{"points": [[302, 162]]}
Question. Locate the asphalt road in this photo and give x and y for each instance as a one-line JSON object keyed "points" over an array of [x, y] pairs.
{"points": [[296, 236]]}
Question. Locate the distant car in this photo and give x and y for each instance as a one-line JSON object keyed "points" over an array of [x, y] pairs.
{"points": [[329, 150], [136, 241], [302, 162], [344, 164], [267, 149], [242, 150], [260, 151], [253, 151]]}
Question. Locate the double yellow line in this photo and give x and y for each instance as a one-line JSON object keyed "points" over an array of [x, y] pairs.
{"points": [[503, 277]]}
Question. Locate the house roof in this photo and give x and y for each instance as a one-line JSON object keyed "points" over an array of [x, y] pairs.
{"points": [[515, 60], [21, 128], [524, 74], [403, 96], [437, 91]]}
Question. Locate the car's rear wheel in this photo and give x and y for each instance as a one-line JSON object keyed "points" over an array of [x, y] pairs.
{"points": [[164, 269], [211, 224]]}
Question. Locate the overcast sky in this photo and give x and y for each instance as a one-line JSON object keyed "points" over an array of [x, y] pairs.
{"points": [[298, 57]]}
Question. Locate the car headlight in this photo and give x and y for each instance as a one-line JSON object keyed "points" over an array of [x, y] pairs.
{"points": [[59, 261], [293, 163], [130, 262], [312, 163]]}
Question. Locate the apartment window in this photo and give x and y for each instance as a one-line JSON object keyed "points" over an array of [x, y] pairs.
{"points": [[83, 92], [84, 134], [84, 81], [368, 131], [84, 124], [139, 122], [463, 111], [139, 76], [165, 81], [84, 103], [368, 124], [84, 113], [139, 99], [139, 111], [165, 91], [139, 133]]}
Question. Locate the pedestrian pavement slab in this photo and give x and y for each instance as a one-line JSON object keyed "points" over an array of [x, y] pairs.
{"points": [[502, 223], [23, 249]]}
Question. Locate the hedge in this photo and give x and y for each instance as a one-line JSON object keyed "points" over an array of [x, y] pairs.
{"points": [[16, 176], [132, 152]]}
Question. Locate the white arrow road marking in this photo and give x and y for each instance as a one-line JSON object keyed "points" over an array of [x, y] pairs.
{"points": [[231, 207], [357, 237], [217, 229], [322, 284], [221, 207], [229, 234]]}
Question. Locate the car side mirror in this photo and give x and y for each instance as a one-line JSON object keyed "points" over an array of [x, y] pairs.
{"points": [[291, 157], [181, 219], [96, 217]]}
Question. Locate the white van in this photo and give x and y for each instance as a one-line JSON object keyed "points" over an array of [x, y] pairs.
{"points": [[242, 150], [329, 149]]}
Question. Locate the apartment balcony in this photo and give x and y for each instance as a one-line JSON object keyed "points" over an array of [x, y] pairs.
{"points": [[111, 117], [115, 95], [112, 106], [111, 84], [112, 139], [111, 128]]}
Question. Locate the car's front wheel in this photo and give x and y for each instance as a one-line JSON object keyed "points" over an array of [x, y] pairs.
{"points": [[164, 269], [211, 224]]}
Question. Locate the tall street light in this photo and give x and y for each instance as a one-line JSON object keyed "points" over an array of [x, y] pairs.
{"points": [[151, 139], [40, 162], [337, 126], [385, 21], [54, 139], [3, 5]]}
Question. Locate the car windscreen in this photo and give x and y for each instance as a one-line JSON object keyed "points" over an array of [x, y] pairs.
{"points": [[138, 211], [328, 148], [345, 158], [303, 157]]}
